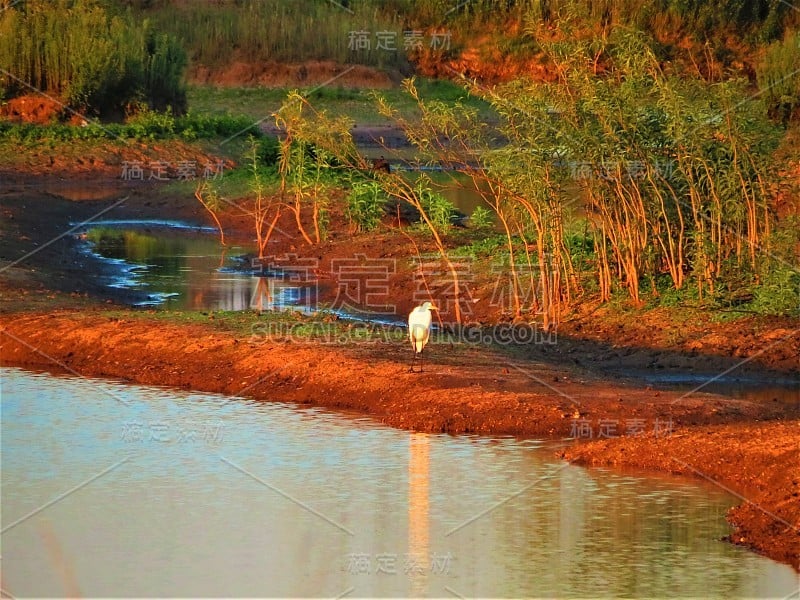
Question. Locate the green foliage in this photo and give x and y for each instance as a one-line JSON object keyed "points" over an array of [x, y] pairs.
{"points": [[194, 125], [491, 246], [481, 219], [239, 182], [778, 292], [329, 92], [365, 205], [148, 123], [164, 63], [144, 125], [666, 294], [676, 180], [94, 60], [779, 77], [443, 91], [268, 150], [439, 209], [676, 166], [580, 245], [357, 104]]}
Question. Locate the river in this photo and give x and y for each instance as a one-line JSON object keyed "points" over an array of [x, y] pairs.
{"points": [[110, 489]]}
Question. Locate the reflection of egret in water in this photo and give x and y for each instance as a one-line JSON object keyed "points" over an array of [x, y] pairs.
{"points": [[222, 257], [268, 293], [418, 513], [260, 293], [58, 560]]}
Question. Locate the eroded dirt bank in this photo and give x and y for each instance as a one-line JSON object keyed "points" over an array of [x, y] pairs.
{"points": [[756, 461], [750, 448]]}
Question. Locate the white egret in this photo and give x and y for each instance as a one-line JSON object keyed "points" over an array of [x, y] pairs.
{"points": [[419, 330]]}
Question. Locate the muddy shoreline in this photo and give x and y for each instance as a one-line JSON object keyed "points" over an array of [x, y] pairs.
{"points": [[594, 337], [752, 443], [56, 317]]}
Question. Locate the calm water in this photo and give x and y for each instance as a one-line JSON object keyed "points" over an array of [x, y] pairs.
{"points": [[119, 490], [175, 266]]}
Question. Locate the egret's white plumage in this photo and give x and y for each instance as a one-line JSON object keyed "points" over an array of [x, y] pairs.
{"points": [[419, 328]]}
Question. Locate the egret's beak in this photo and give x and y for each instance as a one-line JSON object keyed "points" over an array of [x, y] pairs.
{"points": [[432, 307]]}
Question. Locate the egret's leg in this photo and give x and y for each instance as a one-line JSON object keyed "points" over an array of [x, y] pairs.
{"points": [[413, 360]]}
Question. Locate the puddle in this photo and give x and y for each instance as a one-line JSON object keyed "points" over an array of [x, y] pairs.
{"points": [[181, 266]]}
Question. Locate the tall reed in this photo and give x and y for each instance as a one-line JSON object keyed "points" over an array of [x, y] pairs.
{"points": [[93, 59], [286, 31]]}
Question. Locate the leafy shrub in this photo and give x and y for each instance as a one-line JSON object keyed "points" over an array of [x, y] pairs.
{"points": [[481, 218], [438, 208], [149, 123], [779, 78], [164, 63], [778, 292], [196, 126], [492, 246], [365, 205], [268, 150], [144, 125]]}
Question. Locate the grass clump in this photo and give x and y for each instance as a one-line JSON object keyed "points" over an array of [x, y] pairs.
{"points": [[365, 205]]}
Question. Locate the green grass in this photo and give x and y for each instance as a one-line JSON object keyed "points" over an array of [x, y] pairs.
{"points": [[147, 126], [358, 104], [253, 102], [261, 103], [275, 326], [490, 246]]}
